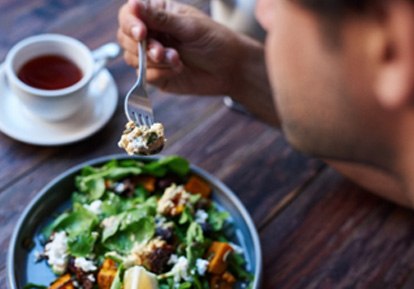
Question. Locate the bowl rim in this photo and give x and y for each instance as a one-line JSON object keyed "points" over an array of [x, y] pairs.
{"points": [[11, 282]]}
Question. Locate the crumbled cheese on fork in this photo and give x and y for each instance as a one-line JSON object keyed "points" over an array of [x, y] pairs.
{"points": [[142, 140]]}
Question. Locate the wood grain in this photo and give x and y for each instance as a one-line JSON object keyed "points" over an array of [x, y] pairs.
{"points": [[335, 235], [317, 229]]}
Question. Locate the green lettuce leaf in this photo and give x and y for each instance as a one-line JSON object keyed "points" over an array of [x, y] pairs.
{"points": [[115, 223], [82, 245], [123, 240], [77, 222], [217, 218], [173, 164]]}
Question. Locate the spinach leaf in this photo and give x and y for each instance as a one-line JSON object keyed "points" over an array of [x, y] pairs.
{"points": [[173, 164], [217, 218], [112, 225], [186, 216], [92, 180], [185, 285], [82, 245], [121, 173], [115, 204], [237, 267], [124, 240], [79, 221], [195, 243], [194, 233], [93, 187]]}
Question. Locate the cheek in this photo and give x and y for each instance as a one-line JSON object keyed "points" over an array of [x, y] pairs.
{"points": [[279, 58]]}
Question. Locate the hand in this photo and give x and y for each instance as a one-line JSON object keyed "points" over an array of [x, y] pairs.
{"points": [[187, 51]]}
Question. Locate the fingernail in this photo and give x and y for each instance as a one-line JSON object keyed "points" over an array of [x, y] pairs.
{"points": [[153, 54], [135, 31], [169, 56], [173, 59]]}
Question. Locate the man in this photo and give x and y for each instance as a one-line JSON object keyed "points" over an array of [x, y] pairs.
{"points": [[341, 73]]}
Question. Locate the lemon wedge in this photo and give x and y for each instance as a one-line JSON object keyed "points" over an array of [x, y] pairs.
{"points": [[138, 278]]}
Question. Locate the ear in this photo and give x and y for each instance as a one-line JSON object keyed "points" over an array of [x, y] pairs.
{"points": [[394, 85]]}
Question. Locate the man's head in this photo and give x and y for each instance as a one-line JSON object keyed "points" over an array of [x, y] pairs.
{"points": [[343, 73]]}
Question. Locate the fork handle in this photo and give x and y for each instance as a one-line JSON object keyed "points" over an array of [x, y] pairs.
{"points": [[142, 54]]}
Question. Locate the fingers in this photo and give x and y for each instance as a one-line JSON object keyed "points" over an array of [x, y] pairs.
{"points": [[156, 52], [172, 58], [161, 77], [129, 21], [133, 20]]}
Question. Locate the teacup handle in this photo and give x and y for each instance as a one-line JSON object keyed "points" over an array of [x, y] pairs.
{"points": [[102, 54]]}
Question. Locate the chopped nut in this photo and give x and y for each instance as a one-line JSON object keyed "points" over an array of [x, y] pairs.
{"points": [[142, 140]]}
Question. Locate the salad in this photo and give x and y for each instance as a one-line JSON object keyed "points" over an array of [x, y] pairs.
{"points": [[143, 225]]}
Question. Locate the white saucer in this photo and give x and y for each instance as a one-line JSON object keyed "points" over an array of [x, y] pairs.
{"points": [[98, 109]]}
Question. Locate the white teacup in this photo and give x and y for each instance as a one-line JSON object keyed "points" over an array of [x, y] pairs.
{"points": [[54, 104]]}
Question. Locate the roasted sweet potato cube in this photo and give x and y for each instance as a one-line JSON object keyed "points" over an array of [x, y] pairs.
{"points": [[63, 282], [224, 281], [228, 277], [106, 274], [217, 254], [148, 182], [109, 264], [196, 185]]}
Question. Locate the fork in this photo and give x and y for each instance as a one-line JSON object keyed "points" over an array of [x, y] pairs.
{"points": [[137, 105]]}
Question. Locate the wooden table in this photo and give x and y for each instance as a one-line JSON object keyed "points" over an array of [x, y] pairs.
{"points": [[317, 229]]}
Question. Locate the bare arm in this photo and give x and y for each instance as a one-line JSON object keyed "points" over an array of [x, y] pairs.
{"points": [[251, 86], [189, 53]]}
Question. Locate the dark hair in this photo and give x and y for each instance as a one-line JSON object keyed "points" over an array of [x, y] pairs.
{"points": [[338, 9], [333, 12]]}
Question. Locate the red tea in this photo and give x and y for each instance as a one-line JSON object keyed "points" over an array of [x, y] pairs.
{"points": [[50, 72]]}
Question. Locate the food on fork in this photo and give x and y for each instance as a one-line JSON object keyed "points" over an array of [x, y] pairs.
{"points": [[142, 140]]}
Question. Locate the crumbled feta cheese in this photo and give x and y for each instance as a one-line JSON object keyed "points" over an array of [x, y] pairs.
{"points": [[85, 265], [236, 248], [201, 265], [173, 259], [119, 188], [91, 277], [142, 139], [201, 216], [95, 207], [180, 270], [57, 252]]}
